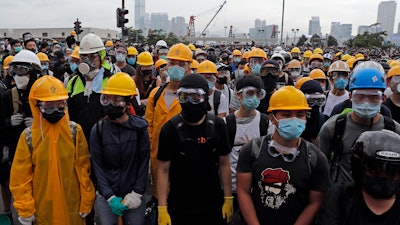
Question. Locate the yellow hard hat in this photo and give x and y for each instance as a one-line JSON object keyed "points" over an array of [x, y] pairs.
{"points": [[394, 71], [307, 54], [192, 47], [394, 63], [345, 57], [236, 53], [73, 33], [246, 56], [42, 57], [120, 84], [160, 62], [314, 57], [258, 53], [207, 67], [109, 44], [294, 64], [318, 51], [295, 50], [301, 81], [338, 54], [75, 53], [194, 64], [180, 52], [288, 98], [48, 88], [350, 62], [132, 51], [145, 59], [359, 56], [7, 61], [317, 74]]}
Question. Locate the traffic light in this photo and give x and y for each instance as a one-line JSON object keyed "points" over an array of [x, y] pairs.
{"points": [[78, 27], [121, 20]]}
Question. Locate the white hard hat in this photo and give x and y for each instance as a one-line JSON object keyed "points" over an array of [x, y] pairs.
{"points": [[161, 43], [26, 56], [91, 43], [278, 55]]}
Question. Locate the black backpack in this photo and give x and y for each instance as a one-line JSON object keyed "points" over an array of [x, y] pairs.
{"points": [[231, 124], [217, 101]]}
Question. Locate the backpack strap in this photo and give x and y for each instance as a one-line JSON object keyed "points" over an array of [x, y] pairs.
{"points": [[217, 101], [337, 144], [100, 130], [15, 100], [256, 145], [158, 93], [311, 156], [179, 125], [389, 124], [231, 124], [264, 124]]}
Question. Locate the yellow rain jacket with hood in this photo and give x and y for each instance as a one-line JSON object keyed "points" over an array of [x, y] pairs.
{"points": [[50, 177]]}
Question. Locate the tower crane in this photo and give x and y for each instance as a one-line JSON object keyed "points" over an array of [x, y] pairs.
{"points": [[219, 9]]}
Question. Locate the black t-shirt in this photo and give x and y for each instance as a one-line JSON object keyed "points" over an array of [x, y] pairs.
{"points": [[345, 205], [194, 174], [129, 70], [394, 109], [280, 189]]}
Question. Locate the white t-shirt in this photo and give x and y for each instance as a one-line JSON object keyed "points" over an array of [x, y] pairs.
{"points": [[333, 100], [223, 104]]}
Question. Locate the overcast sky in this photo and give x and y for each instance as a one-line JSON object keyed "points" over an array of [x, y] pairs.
{"points": [[238, 13]]}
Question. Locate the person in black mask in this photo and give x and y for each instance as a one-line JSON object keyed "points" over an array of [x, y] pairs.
{"points": [[315, 99], [194, 152], [120, 150], [373, 197], [145, 79], [270, 70], [223, 78]]}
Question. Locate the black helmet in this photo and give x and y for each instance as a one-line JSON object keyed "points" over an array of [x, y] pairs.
{"points": [[376, 152]]}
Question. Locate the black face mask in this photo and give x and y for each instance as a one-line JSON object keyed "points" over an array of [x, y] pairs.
{"points": [[381, 187], [193, 112], [223, 80], [114, 112], [53, 117], [269, 82], [212, 58], [146, 72]]}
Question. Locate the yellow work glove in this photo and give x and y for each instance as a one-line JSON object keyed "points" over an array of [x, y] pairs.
{"points": [[227, 209], [163, 216]]}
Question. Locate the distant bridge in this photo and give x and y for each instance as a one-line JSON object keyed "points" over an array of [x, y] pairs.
{"points": [[231, 41]]}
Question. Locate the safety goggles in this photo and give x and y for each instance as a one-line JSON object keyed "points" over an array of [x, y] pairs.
{"points": [[200, 58], [253, 61], [121, 52], [371, 96], [252, 91], [395, 79], [290, 157], [294, 70], [45, 63], [194, 95], [272, 70], [20, 70], [210, 78], [89, 57], [52, 106], [223, 73], [163, 51], [339, 74], [114, 100], [316, 64], [315, 99]]}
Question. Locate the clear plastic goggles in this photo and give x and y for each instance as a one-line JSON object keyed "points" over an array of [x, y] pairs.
{"points": [[316, 64], [289, 157], [163, 51], [294, 70], [52, 106], [395, 79], [253, 61], [272, 70], [115, 100], [121, 52], [194, 95], [210, 78], [315, 99], [223, 73], [371, 96], [20, 70], [252, 91], [339, 74]]}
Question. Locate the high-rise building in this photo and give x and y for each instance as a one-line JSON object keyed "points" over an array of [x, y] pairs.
{"points": [[386, 16], [140, 14], [314, 26], [178, 26], [159, 21], [342, 32]]}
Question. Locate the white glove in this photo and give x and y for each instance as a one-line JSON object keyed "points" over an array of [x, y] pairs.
{"points": [[27, 221], [83, 215], [16, 119], [28, 121], [6, 154], [132, 200]]}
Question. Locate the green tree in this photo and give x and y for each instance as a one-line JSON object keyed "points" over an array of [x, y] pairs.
{"points": [[367, 40], [134, 36], [172, 39], [302, 41], [332, 41], [154, 36]]}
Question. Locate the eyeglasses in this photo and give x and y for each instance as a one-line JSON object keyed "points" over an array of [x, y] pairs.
{"points": [[339, 74], [90, 57], [114, 100], [52, 106], [371, 96], [194, 95], [252, 91], [20, 70], [272, 70], [315, 99], [290, 157]]}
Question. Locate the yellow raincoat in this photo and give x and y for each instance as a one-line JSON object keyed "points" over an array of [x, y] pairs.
{"points": [[52, 182], [156, 117]]}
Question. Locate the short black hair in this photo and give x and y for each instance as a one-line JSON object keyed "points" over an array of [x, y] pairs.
{"points": [[249, 81]]}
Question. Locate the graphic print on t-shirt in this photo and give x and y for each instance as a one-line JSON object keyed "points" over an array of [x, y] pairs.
{"points": [[275, 187]]}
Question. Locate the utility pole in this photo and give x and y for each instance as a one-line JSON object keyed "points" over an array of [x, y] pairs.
{"points": [[121, 20], [283, 16]]}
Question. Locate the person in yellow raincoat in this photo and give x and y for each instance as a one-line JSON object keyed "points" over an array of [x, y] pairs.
{"points": [[50, 173]]}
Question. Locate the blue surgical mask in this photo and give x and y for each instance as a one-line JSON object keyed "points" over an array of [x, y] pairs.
{"points": [[255, 69], [291, 128], [176, 73], [250, 103], [108, 49], [45, 67], [163, 57], [366, 110], [239, 74], [210, 85], [340, 83], [17, 49], [73, 67], [326, 64], [131, 61], [120, 57]]}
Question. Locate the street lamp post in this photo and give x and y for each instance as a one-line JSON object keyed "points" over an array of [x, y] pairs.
{"points": [[283, 15], [295, 31]]}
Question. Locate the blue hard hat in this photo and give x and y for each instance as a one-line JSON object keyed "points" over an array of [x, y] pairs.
{"points": [[367, 78]]}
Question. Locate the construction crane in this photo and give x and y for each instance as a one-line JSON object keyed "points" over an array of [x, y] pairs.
{"points": [[220, 7]]}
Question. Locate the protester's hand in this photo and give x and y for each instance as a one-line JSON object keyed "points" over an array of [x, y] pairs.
{"points": [[83, 215], [116, 206], [163, 216], [27, 221], [132, 200], [16, 119], [227, 209], [28, 121]]}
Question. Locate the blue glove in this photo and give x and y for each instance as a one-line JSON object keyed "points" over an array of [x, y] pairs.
{"points": [[116, 206]]}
